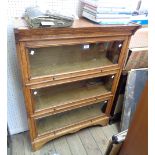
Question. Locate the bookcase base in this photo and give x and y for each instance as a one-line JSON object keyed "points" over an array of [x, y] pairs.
{"points": [[42, 140]]}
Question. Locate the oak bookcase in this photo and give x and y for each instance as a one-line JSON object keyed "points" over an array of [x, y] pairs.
{"points": [[70, 75]]}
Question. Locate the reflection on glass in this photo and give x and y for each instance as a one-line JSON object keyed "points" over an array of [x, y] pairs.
{"points": [[62, 120], [69, 58], [45, 98]]}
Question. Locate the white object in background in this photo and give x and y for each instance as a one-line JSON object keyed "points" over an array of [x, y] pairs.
{"points": [[86, 47], [32, 52], [120, 45], [112, 3], [139, 39]]}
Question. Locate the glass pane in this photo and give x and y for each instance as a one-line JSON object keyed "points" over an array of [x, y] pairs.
{"points": [[45, 98], [58, 121], [69, 58]]}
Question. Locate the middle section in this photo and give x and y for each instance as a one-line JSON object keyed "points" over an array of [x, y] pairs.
{"points": [[55, 99]]}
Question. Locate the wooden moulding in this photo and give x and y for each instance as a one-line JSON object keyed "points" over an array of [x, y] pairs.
{"points": [[73, 41], [74, 77], [81, 28], [70, 106], [40, 141]]}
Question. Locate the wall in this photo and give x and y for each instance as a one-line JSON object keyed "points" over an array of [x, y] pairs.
{"points": [[16, 113]]}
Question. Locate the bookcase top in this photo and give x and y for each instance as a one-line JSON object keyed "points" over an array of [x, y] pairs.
{"points": [[81, 27]]}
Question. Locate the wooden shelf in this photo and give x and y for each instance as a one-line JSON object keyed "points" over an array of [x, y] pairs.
{"points": [[50, 69], [72, 92], [59, 121]]}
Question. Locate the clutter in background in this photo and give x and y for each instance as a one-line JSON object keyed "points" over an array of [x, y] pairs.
{"points": [[139, 39], [115, 143], [35, 18], [137, 58], [114, 12], [136, 81]]}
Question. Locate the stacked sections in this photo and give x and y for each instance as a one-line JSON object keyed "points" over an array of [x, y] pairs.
{"points": [[77, 102], [60, 108], [70, 76]]}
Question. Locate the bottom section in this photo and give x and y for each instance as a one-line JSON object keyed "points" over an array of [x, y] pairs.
{"points": [[59, 121], [51, 127], [40, 141]]}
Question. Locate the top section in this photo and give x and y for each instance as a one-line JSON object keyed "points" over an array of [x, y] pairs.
{"points": [[80, 28]]}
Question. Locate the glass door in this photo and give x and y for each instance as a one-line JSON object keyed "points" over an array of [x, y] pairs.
{"points": [[68, 59]]}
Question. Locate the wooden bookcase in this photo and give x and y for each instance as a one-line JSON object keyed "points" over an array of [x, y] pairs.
{"points": [[70, 75]]}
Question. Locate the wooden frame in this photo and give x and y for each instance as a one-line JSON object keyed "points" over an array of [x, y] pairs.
{"points": [[81, 32], [40, 141], [83, 101], [61, 76]]}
